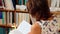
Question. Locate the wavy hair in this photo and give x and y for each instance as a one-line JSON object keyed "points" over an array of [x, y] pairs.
{"points": [[39, 9]]}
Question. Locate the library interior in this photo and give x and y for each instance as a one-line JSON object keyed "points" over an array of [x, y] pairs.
{"points": [[15, 18]]}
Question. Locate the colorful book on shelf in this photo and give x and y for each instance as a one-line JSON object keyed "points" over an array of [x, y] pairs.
{"points": [[20, 2], [1, 17], [24, 2], [4, 18], [2, 30]]}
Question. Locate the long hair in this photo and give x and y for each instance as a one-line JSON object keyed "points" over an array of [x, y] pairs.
{"points": [[39, 9]]}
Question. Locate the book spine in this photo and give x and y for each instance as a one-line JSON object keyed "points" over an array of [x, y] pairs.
{"points": [[20, 2], [1, 16], [58, 3], [4, 18], [10, 18], [7, 17], [17, 19], [24, 16], [25, 2], [53, 3], [27, 18]]}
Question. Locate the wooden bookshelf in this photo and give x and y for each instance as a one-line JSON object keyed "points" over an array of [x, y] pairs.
{"points": [[57, 13], [6, 26], [21, 11], [6, 10]]}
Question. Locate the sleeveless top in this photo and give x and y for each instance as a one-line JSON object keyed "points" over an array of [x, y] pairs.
{"points": [[49, 27]]}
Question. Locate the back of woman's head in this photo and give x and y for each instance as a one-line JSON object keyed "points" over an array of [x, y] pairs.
{"points": [[39, 9]]}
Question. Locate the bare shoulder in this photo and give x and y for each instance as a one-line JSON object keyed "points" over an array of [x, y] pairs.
{"points": [[36, 28], [36, 25]]}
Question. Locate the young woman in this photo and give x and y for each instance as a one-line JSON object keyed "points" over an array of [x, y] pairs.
{"points": [[45, 22]]}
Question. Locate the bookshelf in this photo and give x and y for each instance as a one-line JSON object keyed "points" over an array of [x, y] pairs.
{"points": [[10, 26], [6, 26], [6, 10]]}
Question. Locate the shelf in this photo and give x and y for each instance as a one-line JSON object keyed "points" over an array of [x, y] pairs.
{"points": [[21, 11], [5, 10], [57, 13], [6, 26]]}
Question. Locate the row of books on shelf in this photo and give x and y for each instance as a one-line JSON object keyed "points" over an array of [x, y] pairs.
{"points": [[5, 17], [22, 16], [12, 4], [9, 18], [54, 5]]}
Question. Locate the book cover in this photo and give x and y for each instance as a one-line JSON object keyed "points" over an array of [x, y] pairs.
{"points": [[10, 17], [17, 19], [2, 30], [20, 2], [1, 17], [25, 1], [4, 18]]}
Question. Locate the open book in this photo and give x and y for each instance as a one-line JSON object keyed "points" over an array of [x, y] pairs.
{"points": [[24, 28]]}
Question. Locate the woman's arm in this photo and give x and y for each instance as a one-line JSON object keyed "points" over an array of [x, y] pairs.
{"points": [[36, 29]]}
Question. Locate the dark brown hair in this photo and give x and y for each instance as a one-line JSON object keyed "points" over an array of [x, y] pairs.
{"points": [[39, 9]]}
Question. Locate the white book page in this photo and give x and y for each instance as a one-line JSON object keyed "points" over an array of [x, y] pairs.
{"points": [[24, 27]]}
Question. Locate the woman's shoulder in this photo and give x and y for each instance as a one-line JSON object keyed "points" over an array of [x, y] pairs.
{"points": [[36, 29], [36, 25]]}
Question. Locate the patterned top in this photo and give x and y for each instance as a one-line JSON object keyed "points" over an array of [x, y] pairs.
{"points": [[49, 27]]}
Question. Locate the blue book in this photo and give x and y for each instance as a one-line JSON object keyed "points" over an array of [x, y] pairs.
{"points": [[2, 30], [1, 15], [20, 2]]}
